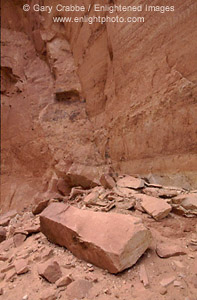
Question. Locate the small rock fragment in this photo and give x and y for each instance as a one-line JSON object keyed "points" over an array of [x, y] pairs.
{"points": [[18, 239], [48, 294], [2, 234], [47, 253], [3, 257], [130, 182], [7, 268], [91, 198], [143, 275], [167, 281], [38, 208], [166, 250], [64, 281], [78, 289], [2, 276], [21, 267], [32, 229], [50, 270], [177, 283], [6, 245], [185, 204], [127, 204], [107, 181], [10, 275], [1, 291], [179, 264], [5, 218], [162, 290], [63, 187]]}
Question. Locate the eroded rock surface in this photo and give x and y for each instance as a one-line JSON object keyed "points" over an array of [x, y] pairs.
{"points": [[73, 100]]}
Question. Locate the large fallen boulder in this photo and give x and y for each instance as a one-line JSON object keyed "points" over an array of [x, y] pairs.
{"points": [[111, 241]]}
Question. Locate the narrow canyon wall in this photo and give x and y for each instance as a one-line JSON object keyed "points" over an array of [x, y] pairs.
{"points": [[80, 96]]}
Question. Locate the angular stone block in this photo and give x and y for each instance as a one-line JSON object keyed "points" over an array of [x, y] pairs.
{"points": [[111, 241]]}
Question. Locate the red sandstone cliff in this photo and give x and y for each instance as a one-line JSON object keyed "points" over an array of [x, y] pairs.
{"points": [[79, 97]]}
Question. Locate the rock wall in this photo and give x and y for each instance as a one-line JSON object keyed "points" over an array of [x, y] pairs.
{"points": [[78, 95]]}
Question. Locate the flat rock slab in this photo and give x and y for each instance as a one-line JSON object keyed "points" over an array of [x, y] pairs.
{"points": [[78, 289], [130, 182], [167, 250], [111, 241], [156, 207]]}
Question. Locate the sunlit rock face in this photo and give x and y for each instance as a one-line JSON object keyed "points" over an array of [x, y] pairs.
{"points": [[115, 94]]}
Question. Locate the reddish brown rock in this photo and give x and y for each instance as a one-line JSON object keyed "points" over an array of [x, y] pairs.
{"points": [[143, 275], [168, 250], [168, 193], [7, 268], [107, 181], [47, 253], [6, 245], [125, 192], [77, 191], [2, 234], [5, 218], [126, 204], [167, 281], [130, 182], [10, 275], [48, 294], [83, 175], [185, 204], [32, 229], [18, 239], [21, 266], [63, 187], [78, 289], [38, 208], [50, 270], [161, 192], [156, 207], [3, 257], [111, 241], [91, 198], [2, 276], [64, 281]]}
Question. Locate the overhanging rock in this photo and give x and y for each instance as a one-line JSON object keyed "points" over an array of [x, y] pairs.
{"points": [[111, 241]]}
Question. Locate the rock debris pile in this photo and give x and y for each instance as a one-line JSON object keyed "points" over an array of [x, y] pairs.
{"points": [[77, 246]]}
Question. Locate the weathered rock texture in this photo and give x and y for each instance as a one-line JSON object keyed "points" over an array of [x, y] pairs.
{"points": [[113, 242], [78, 95]]}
